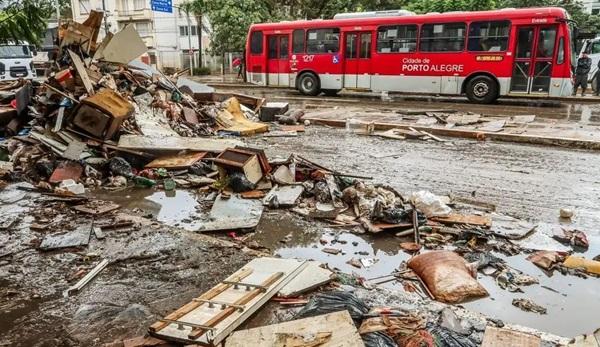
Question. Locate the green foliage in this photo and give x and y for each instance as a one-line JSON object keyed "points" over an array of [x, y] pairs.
{"points": [[230, 19], [24, 20]]}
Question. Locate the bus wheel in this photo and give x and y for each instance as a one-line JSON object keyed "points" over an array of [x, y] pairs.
{"points": [[331, 92], [482, 89], [308, 84]]}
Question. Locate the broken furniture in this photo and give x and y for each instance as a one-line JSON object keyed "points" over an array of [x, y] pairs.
{"points": [[102, 114], [240, 160], [211, 317]]}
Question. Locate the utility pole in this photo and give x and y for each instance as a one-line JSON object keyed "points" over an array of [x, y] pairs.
{"points": [[199, 28], [57, 5], [105, 18], [189, 35]]}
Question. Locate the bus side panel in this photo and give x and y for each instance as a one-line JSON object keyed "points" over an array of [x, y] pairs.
{"points": [[256, 63], [327, 66]]}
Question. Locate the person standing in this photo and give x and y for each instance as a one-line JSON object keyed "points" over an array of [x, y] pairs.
{"points": [[598, 80], [584, 64]]}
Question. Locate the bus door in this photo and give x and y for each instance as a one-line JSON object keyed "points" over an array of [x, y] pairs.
{"points": [[278, 65], [534, 55], [357, 62]]}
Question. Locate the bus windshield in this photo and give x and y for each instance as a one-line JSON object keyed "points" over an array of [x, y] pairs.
{"points": [[14, 51]]}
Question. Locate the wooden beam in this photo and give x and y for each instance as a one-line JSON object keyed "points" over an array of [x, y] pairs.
{"points": [[474, 134], [196, 333], [190, 306]]}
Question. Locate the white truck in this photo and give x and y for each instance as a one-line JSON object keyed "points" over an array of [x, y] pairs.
{"points": [[16, 61]]}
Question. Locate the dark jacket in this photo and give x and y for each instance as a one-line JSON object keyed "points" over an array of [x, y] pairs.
{"points": [[583, 66]]}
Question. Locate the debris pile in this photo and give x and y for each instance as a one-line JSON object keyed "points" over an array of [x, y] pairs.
{"points": [[103, 118]]}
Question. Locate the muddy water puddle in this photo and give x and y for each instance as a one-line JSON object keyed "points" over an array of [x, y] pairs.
{"points": [[572, 302]]}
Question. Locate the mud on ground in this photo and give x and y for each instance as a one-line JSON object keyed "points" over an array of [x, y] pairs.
{"points": [[153, 269]]}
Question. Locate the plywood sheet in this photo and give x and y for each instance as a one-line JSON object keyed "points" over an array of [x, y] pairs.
{"points": [[339, 324], [176, 161], [231, 213], [261, 269], [311, 277], [497, 337], [125, 46]]}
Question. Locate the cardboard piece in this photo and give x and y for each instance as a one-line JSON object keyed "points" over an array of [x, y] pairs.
{"points": [[499, 337], [338, 326]]}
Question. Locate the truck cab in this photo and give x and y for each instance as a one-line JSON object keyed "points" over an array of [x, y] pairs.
{"points": [[16, 61]]}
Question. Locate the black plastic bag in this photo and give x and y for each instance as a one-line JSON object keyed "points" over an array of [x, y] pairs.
{"points": [[325, 303], [239, 183], [378, 339], [447, 338]]}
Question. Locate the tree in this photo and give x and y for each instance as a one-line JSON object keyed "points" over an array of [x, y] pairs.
{"points": [[196, 8], [230, 20], [24, 20]]}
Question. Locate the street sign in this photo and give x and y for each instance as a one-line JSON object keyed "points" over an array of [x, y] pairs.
{"points": [[162, 5]]}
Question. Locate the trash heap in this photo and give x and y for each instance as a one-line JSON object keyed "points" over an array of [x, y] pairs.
{"points": [[104, 118]]}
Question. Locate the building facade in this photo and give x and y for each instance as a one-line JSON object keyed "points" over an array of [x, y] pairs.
{"points": [[167, 35], [591, 6]]}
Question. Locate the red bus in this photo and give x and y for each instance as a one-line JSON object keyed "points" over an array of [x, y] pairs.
{"points": [[485, 54]]}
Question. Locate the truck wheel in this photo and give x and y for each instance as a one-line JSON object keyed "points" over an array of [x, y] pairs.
{"points": [[482, 90], [308, 84]]}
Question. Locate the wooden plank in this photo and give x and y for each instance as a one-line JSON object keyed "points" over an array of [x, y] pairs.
{"points": [[339, 324], [498, 337], [263, 269], [192, 305], [82, 72], [175, 143], [455, 218], [241, 301], [474, 134], [177, 161]]}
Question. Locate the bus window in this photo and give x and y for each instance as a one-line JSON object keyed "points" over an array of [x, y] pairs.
{"points": [[488, 36], [365, 45], [397, 39], [351, 50], [272, 47], [256, 42], [323, 41], [561, 51], [283, 47], [298, 41], [546, 40], [447, 37]]}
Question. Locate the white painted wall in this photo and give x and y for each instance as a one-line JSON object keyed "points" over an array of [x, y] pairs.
{"points": [[162, 33]]}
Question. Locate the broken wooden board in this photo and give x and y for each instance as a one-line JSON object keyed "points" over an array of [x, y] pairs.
{"points": [[499, 337], [233, 213], [176, 143], [176, 161], [454, 218], [339, 324], [283, 195], [276, 271], [82, 72], [76, 238], [297, 128], [96, 207], [313, 276]]}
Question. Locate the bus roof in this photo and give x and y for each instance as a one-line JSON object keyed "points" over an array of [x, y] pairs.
{"points": [[508, 13]]}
